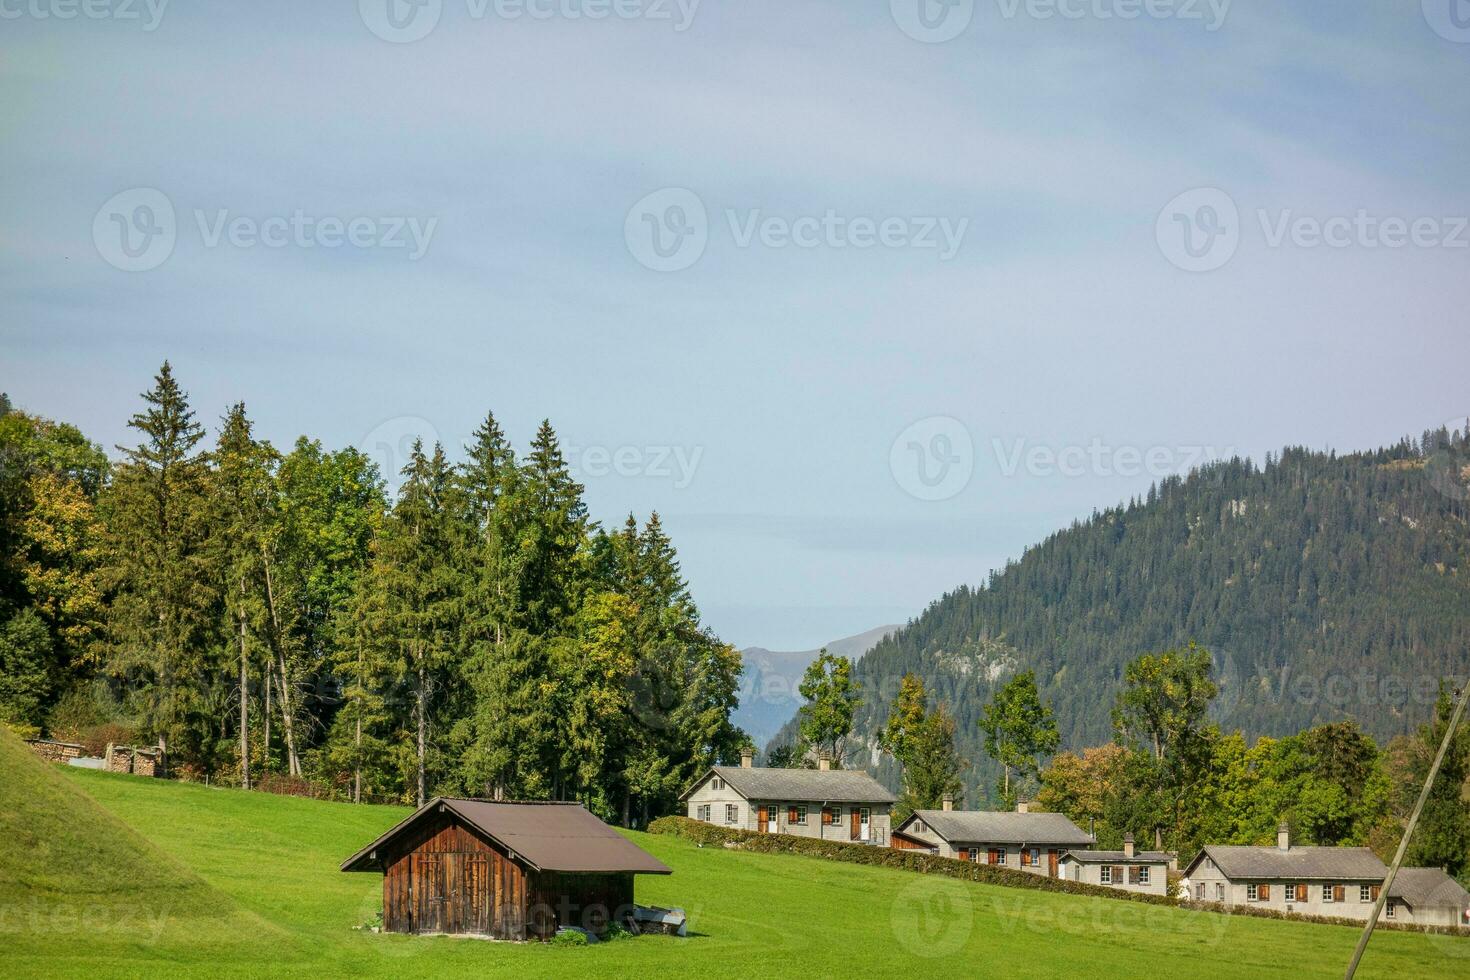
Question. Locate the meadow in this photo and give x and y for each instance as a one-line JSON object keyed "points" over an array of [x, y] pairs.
{"points": [[107, 875]]}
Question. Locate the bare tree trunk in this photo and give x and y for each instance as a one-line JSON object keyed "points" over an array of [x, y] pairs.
{"points": [[357, 759], [293, 761], [244, 699], [267, 716], [423, 725]]}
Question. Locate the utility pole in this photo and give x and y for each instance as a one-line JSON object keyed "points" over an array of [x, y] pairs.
{"points": [[1398, 858]]}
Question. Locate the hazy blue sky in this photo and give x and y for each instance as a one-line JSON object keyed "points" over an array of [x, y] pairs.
{"points": [[836, 431]]}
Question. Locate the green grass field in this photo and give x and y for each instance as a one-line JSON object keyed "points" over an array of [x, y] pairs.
{"points": [[108, 875]]}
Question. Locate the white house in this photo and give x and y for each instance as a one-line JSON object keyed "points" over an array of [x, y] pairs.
{"points": [[823, 803], [1025, 841], [1129, 870], [1338, 882]]}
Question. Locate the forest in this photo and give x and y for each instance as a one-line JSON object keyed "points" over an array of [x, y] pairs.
{"points": [[278, 619], [1326, 587]]}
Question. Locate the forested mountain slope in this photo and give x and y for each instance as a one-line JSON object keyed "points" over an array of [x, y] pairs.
{"points": [[1326, 586]]}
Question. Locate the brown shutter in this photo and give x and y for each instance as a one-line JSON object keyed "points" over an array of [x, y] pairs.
{"points": [[791, 814], [993, 856], [1263, 892], [1376, 890], [1337, 893], [964, 854], [1118, 874]]}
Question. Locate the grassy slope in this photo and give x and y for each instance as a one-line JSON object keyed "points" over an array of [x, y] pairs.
{"points": [[77, 885], [276, 859]]}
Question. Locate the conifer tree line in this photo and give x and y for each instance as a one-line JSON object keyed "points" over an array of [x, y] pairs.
{"points": [[276, 616]]}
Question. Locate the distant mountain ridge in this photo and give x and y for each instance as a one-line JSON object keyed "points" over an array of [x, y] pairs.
{"points": [[1326, 586], [769, 686]]}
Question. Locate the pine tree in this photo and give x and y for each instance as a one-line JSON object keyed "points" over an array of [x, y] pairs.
{"points": [[243, 509], [163, 623]]}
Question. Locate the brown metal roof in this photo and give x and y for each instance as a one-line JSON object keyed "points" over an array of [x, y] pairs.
{"points": [[546, 836]]}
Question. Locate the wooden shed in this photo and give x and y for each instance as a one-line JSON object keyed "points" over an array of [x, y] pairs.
{"points": [[504, 870]]}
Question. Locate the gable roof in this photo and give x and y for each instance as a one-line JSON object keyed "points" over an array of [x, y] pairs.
{"points": [[545, 836], [807, 785], [1118, 857], [1269, 861], [1424, 888], [987, 827]]}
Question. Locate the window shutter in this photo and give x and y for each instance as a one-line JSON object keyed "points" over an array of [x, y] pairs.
{"points": [[1118, 873], [791, 814], [964, 854], [1337, 893], [1264, 891], [1376, 890]]}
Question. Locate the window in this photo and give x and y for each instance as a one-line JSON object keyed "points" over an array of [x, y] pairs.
{"points": [[717, 783], [1253, 893], [1388, 909], [702, 813], [1107, 874], [732, 813], [798, 815], [1034, 857], [1142, 874], [1365, 893], [1326, 893], [1199, 892], [919, 826], [1002, 856], [1219, 891]]}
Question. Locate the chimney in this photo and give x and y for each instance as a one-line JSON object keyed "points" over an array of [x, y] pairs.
{"points": [[824, 762], [747, 759], [948, 802], [1127, 845], [1023, 806], [1283, 837]]}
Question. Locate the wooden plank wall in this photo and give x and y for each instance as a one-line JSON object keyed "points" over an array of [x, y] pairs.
{"points": [[588, 901], [445, 879]]}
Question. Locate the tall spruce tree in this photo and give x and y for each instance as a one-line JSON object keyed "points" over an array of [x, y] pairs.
{"points": [[162, 624]]}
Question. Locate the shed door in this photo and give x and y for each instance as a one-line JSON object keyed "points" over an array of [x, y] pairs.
{"points": [[1051, 863], [855, 819]]}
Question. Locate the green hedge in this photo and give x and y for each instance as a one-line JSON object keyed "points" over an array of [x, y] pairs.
{"points": [[703, 833], [888, 857]]}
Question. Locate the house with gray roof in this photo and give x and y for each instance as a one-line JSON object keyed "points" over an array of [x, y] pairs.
{"points": [[1427, 897], [1023, 840], [823, 803], [1335, 882], [1128, 870]]}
